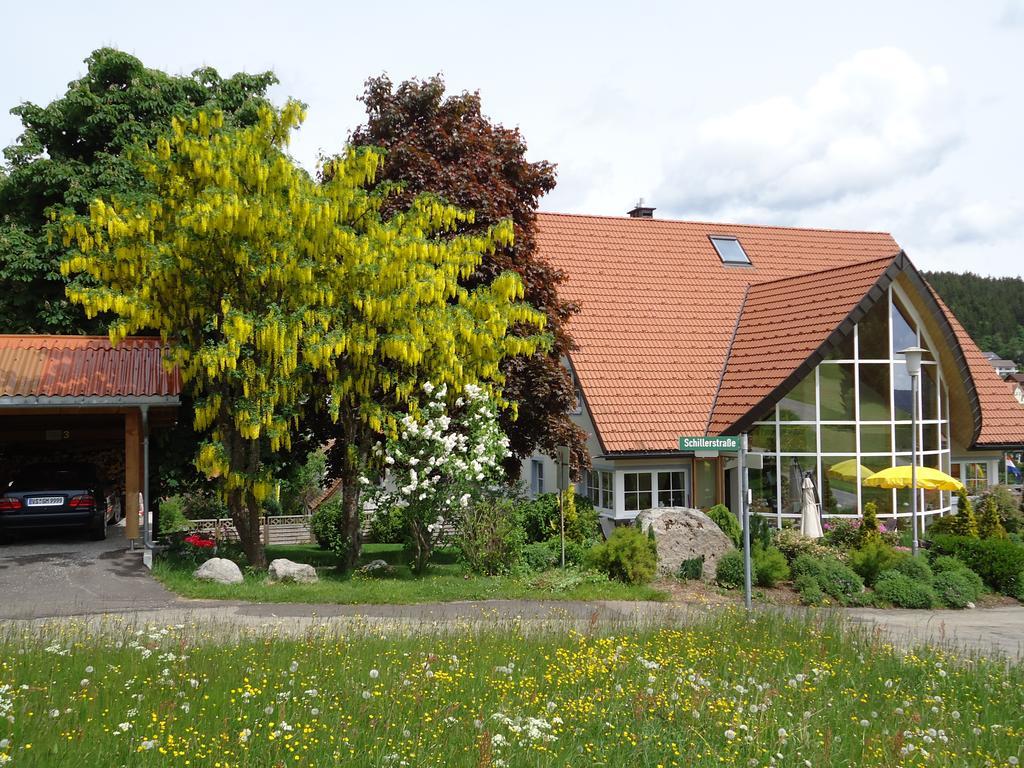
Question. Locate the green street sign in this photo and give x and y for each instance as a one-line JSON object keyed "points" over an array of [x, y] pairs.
{"points": [[721, 443]]}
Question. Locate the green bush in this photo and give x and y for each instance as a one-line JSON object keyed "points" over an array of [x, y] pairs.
{"points": [[692, 568], [171, 516], [873, 557], [916, 568], [324, 524], [729, 571], [541, 519], [809, 590], [843, 533], [769, 566], [941, 526], [989, 524], [627, 556], [1011, 512], [727, 521], [869, 522], [834, 578], [538, 557], [761, 532], [575, 553], [491, 536], [945, 563], [387, 525], [792, 544], [964, 522], [901, 590], [956, 589], [999, 562]]}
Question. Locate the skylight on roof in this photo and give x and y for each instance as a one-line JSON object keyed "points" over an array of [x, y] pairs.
{"points": [[729, 250]]}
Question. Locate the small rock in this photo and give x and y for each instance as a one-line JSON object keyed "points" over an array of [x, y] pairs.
{"points": [[969, 605], [376, 568], [220, 570], [286, 570]]}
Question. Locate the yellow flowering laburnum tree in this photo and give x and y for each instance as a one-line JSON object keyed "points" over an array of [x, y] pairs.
{"points": [[278, 295]]}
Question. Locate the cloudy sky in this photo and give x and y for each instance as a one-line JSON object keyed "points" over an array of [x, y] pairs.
{"points": [[906, 117]]}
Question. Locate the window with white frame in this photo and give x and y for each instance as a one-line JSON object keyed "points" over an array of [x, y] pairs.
{"points": [[637, 494], [601, 488], [672, 489], [536, 477]]}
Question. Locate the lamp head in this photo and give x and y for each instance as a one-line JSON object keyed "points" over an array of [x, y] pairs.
{"points": [[913, 357]]}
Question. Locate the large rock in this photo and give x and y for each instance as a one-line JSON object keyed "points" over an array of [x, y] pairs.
{"points": [[286, 570], [220, 570], [681, 534]]}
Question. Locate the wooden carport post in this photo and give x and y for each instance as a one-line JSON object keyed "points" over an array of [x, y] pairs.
{"points": [[132, 471]]}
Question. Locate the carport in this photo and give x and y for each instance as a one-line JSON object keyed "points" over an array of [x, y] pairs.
{"points": [[79, 398]]}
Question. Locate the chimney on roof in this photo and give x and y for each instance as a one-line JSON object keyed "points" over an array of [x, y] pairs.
{"points": [[641, 211]]}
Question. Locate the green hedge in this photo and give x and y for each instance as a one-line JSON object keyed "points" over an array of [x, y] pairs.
{"points": [[999, 562]]}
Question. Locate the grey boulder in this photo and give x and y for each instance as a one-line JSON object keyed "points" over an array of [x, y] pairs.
{"points": [[681, 533], [286, 570], [220, 570]]}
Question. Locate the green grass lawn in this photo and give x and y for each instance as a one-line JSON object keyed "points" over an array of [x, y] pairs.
{"points": [[445, 581], [726, 692]]}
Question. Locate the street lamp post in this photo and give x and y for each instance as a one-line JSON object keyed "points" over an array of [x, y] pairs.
{"points": [[913, 357]]}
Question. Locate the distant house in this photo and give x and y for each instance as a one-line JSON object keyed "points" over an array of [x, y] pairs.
{"points": [[1004, 368], [791, 336]]}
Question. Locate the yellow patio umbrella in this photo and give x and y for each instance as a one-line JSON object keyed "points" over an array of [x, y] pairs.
{"points": [[847, 470], [927, 478]]}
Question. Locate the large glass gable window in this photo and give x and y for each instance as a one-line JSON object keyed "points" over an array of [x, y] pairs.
{"points": [[852, 416], [729, 250]]}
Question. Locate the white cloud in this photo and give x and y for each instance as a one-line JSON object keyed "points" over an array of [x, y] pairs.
{"points": [[875, 118]]}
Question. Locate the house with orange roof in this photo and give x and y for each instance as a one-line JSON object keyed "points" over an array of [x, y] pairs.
{"points": [[789, 336]]}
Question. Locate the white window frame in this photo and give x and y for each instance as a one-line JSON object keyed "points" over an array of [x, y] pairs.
{"points": [[536, 477]]}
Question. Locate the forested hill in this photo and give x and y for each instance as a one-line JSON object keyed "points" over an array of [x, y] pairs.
{"points": [[990, 308]]}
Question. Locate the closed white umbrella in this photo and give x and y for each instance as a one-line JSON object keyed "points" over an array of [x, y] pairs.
{"points": [[810, 521]]}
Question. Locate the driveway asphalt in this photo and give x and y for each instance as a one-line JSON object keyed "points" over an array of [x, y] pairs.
{"points": [[65, 574]]}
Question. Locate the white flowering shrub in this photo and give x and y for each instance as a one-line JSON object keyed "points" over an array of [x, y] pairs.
{"points": [[439, 463]]}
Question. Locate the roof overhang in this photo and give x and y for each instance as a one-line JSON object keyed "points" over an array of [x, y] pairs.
{"points": [[105, 401]]}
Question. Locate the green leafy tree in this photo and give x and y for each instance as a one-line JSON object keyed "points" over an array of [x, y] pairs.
{"points": [[74, 150], [445, 145], [277, 294], [964, 522]]}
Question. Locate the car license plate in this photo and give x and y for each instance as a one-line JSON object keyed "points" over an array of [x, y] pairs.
{"points": [[45, 501]]}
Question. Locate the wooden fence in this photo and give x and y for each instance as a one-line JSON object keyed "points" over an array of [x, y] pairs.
{"points": [[276, 529]]}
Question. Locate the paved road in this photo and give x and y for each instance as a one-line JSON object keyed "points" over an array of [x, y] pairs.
{"points": [[983, 630], [58, 574]]}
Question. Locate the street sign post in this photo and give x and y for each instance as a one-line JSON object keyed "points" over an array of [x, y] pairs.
{"points": [[563, 460], [705, 445]]}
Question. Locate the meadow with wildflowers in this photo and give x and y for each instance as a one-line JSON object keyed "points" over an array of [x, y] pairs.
{"points": [[772, 691]]}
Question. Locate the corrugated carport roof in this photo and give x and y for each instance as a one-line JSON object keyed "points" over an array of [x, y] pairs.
{"points": [[84, 370]]}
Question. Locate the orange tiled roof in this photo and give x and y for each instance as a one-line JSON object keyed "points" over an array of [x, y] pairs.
{"points": [[1002, 417], [659, 310], [84, 366], [782, 324]]}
